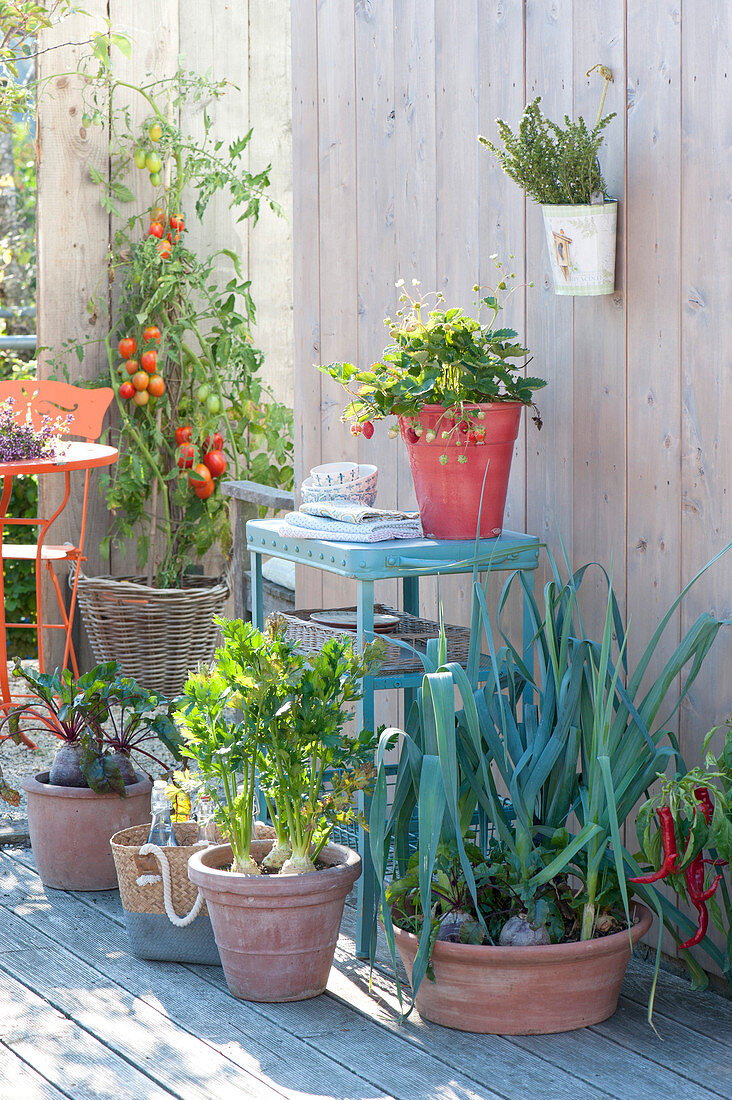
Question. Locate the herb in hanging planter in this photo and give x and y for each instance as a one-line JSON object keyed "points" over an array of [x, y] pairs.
{"points": [[21, 441], [553, 164]]}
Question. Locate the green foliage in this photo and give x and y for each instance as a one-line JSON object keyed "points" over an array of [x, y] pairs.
{"points": [[203, 306], [104, 711], [268, 708], [551, 163], [443, 358], [568, 730]]}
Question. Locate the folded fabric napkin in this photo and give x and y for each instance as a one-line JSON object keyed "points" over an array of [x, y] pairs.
{"points": [[299, 525], [346, 512]]}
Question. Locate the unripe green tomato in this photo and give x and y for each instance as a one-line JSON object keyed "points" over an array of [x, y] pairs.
{"points": [[213, 405], [97, 118], [86, 120], [156, 179], [203, 393], [153, 162], [155, 132], [136, 279], [139, 158]]}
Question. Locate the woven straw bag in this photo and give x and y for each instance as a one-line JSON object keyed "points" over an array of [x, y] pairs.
{"points": [[180, 933]]}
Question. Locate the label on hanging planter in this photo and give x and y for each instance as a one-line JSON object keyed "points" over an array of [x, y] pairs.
{"points": [[597, 198], [581, 243]]}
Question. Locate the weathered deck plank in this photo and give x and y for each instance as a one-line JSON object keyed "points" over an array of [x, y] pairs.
{"points": [[19, 1079], [86, 1017]]}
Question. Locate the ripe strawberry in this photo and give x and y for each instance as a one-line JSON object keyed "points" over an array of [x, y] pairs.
{"points": [[367, 429]]}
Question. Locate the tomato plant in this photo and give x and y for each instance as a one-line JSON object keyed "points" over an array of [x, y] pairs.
{"points": [[190, 317]]}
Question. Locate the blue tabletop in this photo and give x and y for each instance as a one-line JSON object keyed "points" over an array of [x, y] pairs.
{"points": [[398, 557]]}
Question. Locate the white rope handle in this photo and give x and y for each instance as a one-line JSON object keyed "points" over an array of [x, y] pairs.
{"points": [[158, 852]]}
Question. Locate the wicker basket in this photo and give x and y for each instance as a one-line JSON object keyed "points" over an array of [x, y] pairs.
{"points": [[415, 632], [150, 932], [156, 634]]}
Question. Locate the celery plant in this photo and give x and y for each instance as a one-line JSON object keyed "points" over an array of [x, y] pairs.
{"points": [[289, 736]]}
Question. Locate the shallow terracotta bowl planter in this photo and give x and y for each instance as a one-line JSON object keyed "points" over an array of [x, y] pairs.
{"points": [[70, 829], [523, 990], [276, 934]]}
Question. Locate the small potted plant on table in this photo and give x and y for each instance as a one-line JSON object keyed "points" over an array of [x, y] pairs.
{"points": [[458, 389], [93, 789], [558, 168], [276, 905]]}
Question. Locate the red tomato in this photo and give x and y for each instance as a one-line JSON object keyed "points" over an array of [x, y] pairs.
{"points": [[149, 360], [216, 462], [156, 386], [132, 366], [126, 391], [203, 474], [141, 380], [177, 221], [151, 335], [156, 229], [203, 489], [141, 397], [186, 456], [164, 248], [215, 445], [127, 347], [183, 435]]}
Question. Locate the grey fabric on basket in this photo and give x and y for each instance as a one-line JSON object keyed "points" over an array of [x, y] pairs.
{"points": [[152, 936]]}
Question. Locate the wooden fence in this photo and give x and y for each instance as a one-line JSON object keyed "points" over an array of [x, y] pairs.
{"points": [[634, 463], [245, 42]]}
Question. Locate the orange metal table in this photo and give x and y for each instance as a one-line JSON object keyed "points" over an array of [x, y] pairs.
{"points": [[75, 456]]}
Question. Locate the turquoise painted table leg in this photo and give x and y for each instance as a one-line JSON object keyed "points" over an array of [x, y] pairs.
{"points": [[366, 718], [257, 595], [410, 598]]}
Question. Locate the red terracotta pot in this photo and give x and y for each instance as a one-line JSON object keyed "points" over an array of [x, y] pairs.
{"points": [[70, 829], [448, 494], [523, 990], [276, 934]]}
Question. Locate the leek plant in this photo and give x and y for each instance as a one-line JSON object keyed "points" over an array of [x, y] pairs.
{"points": [[572, 735], [268, 716]]}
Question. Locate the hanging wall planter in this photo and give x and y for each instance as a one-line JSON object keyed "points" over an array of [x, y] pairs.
{"points": [[557, 166], [581, 243]]}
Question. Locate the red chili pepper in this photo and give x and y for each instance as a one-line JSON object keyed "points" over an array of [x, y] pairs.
{"points": [[701, 794], [701, 930], [670, 864]]}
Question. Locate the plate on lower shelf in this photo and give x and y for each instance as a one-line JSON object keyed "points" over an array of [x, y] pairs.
{"points": [[383, 624]]}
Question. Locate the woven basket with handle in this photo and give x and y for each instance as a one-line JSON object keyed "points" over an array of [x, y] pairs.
{"points": [[130, 865], [156, 634]]}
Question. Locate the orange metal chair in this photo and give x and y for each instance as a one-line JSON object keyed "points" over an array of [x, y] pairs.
{"points": [[88, 408]]}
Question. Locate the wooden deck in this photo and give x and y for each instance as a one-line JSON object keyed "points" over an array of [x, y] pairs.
{"points": [[83, 1019]]}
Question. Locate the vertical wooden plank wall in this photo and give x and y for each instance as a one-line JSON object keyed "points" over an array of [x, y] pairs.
{"points": [[73, 233], [635, 457]]}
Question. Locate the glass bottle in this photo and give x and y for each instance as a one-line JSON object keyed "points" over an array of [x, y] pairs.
{"points": [[161, 830], [205, 819]]}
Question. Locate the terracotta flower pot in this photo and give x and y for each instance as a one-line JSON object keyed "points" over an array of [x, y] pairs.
{"points": [[70, 829], [449, 492], [523, 990], [276, 934]]}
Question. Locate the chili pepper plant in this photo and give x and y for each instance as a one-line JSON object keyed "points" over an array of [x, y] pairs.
{"points": [[191, 404], [685, 835], [290, 733]]}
